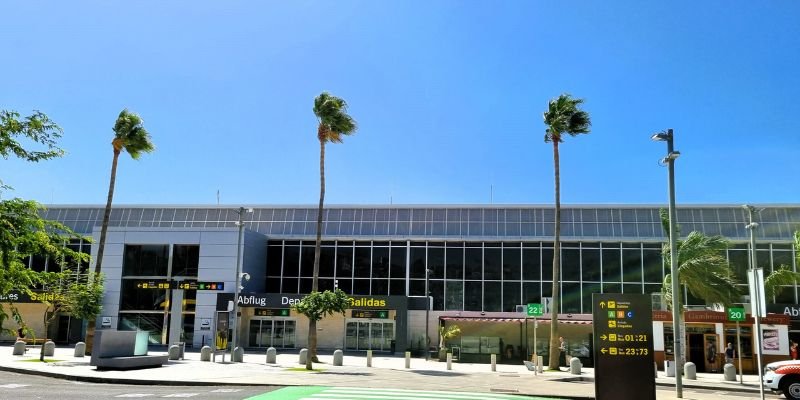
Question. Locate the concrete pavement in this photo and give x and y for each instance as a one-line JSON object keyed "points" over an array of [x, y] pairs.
{"points": [[386, 372]]}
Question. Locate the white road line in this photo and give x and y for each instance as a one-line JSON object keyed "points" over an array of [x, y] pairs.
{"points": [[13, 386], [135, 395], [226, 390], [181, 395], [400, 392]]}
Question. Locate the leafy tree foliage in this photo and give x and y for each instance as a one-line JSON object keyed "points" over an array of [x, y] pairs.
{"points": [[318, 305], [783, 276]]}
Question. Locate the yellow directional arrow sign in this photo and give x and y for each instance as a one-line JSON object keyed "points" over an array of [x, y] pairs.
{"points": [[602, 304], [603, 337], [603, 350]]}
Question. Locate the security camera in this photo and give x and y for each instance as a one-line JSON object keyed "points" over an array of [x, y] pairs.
{"points": [[245, 277]]}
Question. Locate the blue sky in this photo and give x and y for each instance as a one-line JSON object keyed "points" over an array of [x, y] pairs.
{"points": [[448, 95]]}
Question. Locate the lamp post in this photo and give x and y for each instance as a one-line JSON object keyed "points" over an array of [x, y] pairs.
{"points": [[237, 282], [755, 290], [427, 316], [677, 332]]}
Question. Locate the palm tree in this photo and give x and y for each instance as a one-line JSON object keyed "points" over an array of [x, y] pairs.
{"points": [[783, 276], [130, 136], [563, 115], [334, 122]]}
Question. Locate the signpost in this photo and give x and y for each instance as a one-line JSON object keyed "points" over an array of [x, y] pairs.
{"points": [[737, 314], [623, 346], [534, 310]]}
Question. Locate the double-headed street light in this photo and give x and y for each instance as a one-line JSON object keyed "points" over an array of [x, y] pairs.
{"points": [[677, 332], [756, 291], [237, 283]]}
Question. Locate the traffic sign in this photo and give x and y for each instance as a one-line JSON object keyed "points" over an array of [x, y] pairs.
{"points": [[534, 309], [736, 314], [623, 346]]}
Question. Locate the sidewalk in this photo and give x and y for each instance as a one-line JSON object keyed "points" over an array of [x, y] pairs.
{"points": [[386, 372]]}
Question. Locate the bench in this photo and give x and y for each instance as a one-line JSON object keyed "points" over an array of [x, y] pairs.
{"points": [[114, 349]]}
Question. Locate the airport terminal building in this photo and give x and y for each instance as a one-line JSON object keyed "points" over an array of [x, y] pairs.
{"points": [[170, 269]]}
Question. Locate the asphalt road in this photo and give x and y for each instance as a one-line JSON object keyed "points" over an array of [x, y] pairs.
{"points": [[23, 387]]}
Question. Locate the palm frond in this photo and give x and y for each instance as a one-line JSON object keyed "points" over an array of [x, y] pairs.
{"points": [[334, 121], [563, 115], [131, 136], [778, 280]]}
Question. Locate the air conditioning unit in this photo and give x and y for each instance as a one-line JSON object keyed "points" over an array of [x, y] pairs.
{"points": [[521, 308]]}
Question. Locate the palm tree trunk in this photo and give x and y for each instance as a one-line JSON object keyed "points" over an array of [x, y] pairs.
{"points": [[312, 325], [107, 214], [554, 342]]}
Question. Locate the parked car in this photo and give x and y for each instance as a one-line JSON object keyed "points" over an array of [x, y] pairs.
{"points": [[783, 377]]}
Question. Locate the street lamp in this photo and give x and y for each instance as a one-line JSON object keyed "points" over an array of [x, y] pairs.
{"points": [[237, 283], [427, 316], [756, 286], [677, 332]]}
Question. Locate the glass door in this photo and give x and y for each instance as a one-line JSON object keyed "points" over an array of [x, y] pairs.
{"points": [[369, 335]]}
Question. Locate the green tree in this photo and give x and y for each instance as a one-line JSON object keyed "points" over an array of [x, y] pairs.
{"points": [[333, 124], [70, 293], [563, 116], [783, 276], [131, 136], [35, 129], [702, 267], [318, 305]]}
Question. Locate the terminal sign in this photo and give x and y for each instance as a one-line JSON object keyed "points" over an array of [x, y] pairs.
{"points": [[623, 346], [153, 285], [380, 314], [271, 312], [534, 309], [736, 314]]}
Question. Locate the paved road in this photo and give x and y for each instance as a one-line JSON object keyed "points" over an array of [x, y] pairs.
{"points": [[25, 387]]}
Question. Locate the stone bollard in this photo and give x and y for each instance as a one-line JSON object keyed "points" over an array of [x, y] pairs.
{"points": [[80, 349], [575, 366], [690, 371], [449, 361], [369, 358], [205, 353], [303, 356], [539, 364], [338, 357], [49, 348], [669, 368], [272, 355], [729, 371], [174, 352], [19, 348], [494, 362], [238, 354], [408, 359]]}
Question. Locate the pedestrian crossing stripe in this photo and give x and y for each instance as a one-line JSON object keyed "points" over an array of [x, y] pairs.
{"points": [[343, 393], [13, 386]]}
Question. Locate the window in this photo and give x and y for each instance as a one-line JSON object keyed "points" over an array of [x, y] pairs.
{"points": [[145, 260], [185, 260]]}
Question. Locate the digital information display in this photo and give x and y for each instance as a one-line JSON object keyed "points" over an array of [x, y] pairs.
{"points": [[380, 314], [271, 312], [623, 346], [184, 285]]}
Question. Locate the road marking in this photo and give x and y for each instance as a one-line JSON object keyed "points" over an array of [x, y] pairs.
{"points": [[341, 393], [13, 386], [136, 395], [226, 390], [181, 395]]}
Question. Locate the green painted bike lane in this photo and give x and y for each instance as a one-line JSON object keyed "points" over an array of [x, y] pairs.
{"points": [[342, 393]]}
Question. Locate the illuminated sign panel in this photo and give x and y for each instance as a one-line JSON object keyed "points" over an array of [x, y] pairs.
{"points": [[623, 346], [271, 312], [380, 314]]}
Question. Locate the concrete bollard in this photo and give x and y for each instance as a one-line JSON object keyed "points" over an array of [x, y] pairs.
{"points": [[238, 354], [80, 349], [338, 357], [174, 352], [729, 371], [205, 353], [449, 361], [539, 364], [19, 348], [369, 358], [303, 356], [494, 362], [49, 348], [408, 359], [669, 368], [690, 371], [272, 355], [575, 366]]}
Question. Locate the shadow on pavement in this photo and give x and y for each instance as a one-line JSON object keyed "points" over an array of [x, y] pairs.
{"points": [[438, 373]]}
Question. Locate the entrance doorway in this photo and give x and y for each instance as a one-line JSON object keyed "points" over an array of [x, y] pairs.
{"points": [[279, 333], [696, 351], [369, 335]]}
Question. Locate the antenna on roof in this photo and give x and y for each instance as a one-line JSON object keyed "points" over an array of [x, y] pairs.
{"points": [[217, 196]]}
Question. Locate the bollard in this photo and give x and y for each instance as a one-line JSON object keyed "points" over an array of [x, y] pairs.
{"points": [[238, 355], [540, 364], [669, 368], [494, 362], [19, 348], [369, 358], [408, 359], [338, 357], [690, 370], [272, 355], [303, 356], [655, 369], [729, 371], [80, 349], [205, 353], [174, 352], [449, 361], [575, 366], [49, 348]]}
